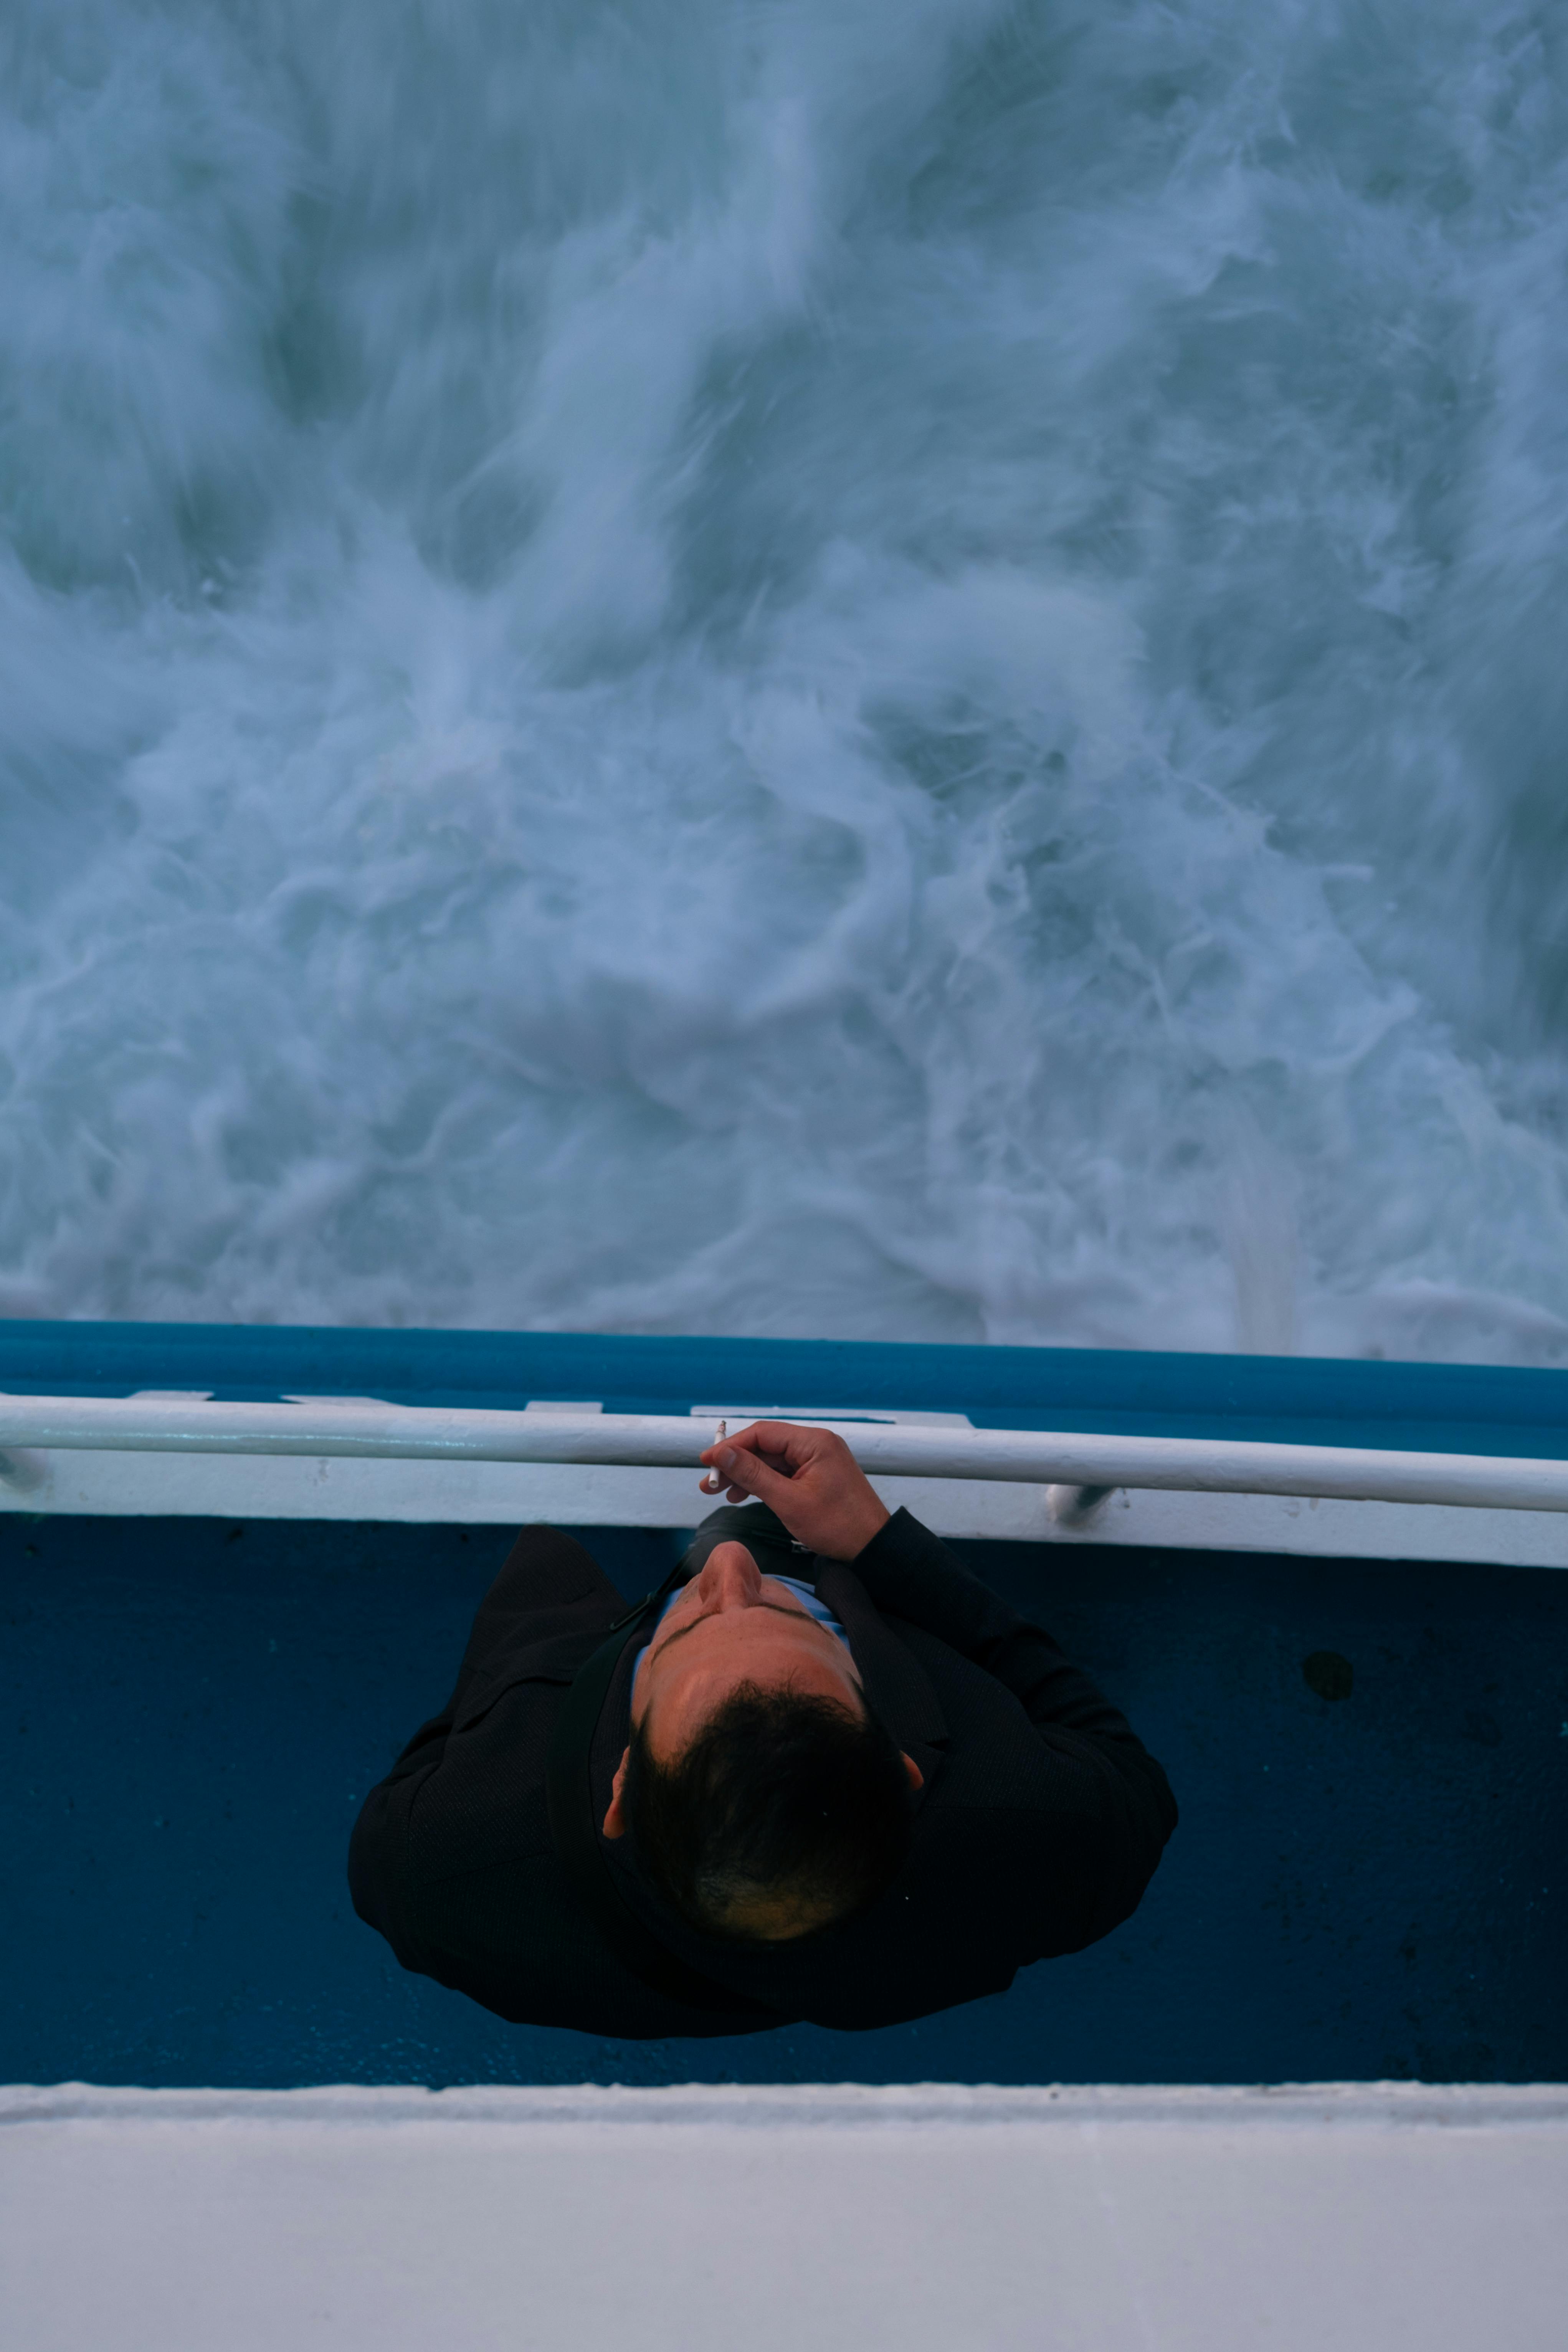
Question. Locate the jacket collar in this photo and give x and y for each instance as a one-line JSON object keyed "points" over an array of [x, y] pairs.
{"points": [[899, 1690]]}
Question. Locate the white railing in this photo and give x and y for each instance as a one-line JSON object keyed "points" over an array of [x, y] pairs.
{"points": [[1078, 1466]]}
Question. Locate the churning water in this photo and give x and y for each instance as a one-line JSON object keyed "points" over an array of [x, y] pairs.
{"points": [[888, 668]]}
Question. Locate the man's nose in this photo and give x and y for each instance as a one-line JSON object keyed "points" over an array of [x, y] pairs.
{"points": [[731, 1576]]}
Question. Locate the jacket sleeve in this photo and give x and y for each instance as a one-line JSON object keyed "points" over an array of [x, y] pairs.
{"points": [[1092, 1783], [380, 1878], [910, 1573]]}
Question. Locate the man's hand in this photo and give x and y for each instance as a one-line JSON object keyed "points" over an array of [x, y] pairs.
{"points": [[809, 1478]]}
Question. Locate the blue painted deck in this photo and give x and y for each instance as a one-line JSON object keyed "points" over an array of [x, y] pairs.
{"points": [[190, 1712]]}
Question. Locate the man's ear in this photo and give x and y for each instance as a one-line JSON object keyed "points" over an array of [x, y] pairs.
{"points": [[615, 1819], [917, 1780]]}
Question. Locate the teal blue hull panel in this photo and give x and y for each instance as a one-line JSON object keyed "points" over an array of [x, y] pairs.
{"points": [[1443, 1408]]}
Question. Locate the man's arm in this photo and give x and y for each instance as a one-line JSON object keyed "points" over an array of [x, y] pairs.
{"points": [[813, 1481], [1088, 1810], [380, 1880], [910, 1573]]}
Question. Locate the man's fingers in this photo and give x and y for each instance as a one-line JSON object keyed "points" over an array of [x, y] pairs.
{"points": [[798, 1442], [755, 1441], [746, 1472], [810, 1478], [787, 1446], [784, 1443], [741, 1468]]}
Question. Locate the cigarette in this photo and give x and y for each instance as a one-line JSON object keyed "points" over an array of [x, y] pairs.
{"points": [[710, 1483]]}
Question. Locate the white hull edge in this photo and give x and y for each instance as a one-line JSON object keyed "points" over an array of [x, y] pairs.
{"points": [[123, 1485]]}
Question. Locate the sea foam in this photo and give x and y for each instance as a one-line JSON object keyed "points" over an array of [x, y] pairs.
{"points": [[883, 667]]}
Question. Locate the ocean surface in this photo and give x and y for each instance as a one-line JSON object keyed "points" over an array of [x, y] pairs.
{"points": [[892, 668]]}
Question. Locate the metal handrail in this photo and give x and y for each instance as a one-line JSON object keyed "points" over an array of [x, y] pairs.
{"points": [[1065, 1460]]}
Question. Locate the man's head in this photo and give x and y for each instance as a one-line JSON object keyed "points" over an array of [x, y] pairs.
{"points": [[764, 1798]]}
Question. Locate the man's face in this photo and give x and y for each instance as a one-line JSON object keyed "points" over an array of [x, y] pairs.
{"points": [[734, 1625], [731, 1624]]}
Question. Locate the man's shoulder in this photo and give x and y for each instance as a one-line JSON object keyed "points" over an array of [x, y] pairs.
{"points": [[542, 1618], [546, 1612], [488, 1803], [994, 1759], [535, 1663]]}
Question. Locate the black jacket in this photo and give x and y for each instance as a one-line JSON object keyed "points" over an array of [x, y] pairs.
{"points": [[1039, 1826]]}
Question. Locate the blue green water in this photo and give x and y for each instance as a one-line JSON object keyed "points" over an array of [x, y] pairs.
{"points": [[888, 668]]}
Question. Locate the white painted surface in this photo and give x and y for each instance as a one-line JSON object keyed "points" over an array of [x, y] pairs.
{"points": [[359, 1428], [176, 1452], [506, 1493], [1348, 2218]]}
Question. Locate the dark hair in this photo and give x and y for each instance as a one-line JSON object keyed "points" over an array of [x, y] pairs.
{"points": [[782, 1797]]}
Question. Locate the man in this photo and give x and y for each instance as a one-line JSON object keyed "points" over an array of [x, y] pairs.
{"points": [[825, 1774]]}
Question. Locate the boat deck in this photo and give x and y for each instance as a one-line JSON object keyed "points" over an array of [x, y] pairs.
{"points": [[198, 1684], [191, 1711]]}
